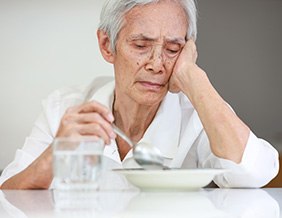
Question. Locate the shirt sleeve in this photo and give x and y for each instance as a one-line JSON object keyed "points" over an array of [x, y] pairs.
{"points": [[259, 164], [34, 145], [44, 129], [41, 137]]}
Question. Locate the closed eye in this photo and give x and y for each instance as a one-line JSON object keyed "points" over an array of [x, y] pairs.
{"points": [[140, 46], [173, 51]]}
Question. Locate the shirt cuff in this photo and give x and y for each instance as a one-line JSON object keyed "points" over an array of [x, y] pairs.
{"points": [[258, 166]]}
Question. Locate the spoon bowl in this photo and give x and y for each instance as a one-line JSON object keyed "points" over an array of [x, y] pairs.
{"points": [[146, 155]]}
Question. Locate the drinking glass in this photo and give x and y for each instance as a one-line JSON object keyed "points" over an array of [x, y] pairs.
{"points": [[77, 163]]}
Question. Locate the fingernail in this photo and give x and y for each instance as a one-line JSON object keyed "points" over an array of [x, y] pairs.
{"points": [[113, 135], [111, 117]]}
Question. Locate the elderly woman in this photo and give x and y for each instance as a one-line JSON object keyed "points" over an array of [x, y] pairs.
{"points": [[159, 95]]}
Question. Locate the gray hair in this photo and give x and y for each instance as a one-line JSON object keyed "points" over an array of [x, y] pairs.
{"points": [[112, 16]]}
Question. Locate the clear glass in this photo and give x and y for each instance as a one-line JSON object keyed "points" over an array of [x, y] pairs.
{"points": [[77, 163]]}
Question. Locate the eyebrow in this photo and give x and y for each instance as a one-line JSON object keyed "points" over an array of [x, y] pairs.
{"points": [[177, 40]]}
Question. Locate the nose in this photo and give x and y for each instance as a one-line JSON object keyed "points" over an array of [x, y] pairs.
{"points": [[156, 61]]}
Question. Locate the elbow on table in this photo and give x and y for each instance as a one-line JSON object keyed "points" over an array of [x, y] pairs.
{"points": [[246, 179]]}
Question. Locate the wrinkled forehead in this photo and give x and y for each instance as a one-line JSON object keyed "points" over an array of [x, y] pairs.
{"points": [[164, 18], [156, 6]]}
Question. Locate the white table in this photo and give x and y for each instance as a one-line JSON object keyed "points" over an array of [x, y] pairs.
{"points": [[131, 203]]}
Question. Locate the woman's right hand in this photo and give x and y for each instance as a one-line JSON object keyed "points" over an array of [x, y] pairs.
{"points": [[88, 119]]}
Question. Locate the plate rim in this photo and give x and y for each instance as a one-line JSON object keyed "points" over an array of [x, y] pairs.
{"points": [[170, 171], [133, 177]]}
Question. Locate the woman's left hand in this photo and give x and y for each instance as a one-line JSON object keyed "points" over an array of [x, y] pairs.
{"points": [[184, 68]]}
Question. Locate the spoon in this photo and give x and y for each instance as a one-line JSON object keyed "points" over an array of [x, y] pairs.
{"points": [[146, 155]]}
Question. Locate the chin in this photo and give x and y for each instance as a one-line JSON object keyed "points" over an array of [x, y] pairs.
{"points": [[149, 99]]}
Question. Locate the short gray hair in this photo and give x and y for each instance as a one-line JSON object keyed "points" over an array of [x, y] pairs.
{"points": [[113, 11]]}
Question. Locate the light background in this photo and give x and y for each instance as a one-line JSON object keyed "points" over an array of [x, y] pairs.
{"points": [[45, 45]]}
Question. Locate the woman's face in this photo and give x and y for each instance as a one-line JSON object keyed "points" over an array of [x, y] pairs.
{"points": [[147, 48]]}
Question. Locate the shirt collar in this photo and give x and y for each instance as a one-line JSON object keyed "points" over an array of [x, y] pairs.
{"points": [[105, 95], [164, 130]]}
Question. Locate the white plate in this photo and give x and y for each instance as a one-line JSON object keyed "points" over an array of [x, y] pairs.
{"points": [[175, 179]]}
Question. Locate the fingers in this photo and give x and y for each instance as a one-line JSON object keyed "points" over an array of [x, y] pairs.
{"points": [[93, 106], [190, 50], [89, 119], [97, 119], [185, 63], [94, 129]]}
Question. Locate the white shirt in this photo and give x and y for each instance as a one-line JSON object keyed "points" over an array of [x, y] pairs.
{"points": [[176, 131]]}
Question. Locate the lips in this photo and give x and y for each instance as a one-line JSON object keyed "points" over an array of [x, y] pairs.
{"points": [[154, 86]]}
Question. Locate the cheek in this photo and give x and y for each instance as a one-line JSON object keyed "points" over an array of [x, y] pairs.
{"points": [[139, 62], [169, 64], [129, 64], [132, 59]]}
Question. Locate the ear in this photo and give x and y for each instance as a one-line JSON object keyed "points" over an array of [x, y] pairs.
{"points": [[105, 46]]}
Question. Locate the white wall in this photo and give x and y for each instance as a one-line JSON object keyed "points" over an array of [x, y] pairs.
{"points": [[44, 45], [47, 44]]}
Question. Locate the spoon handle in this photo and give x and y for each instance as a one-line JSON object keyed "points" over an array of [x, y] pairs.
{"points": [[122, 135]]}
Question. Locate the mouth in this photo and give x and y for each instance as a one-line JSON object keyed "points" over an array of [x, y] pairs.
{"points": [[152, 86]]}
